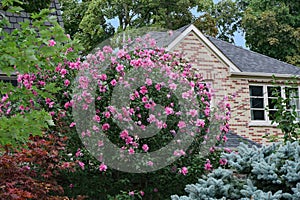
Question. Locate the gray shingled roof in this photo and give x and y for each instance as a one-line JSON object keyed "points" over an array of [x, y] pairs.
{"points": [[15, 19], [245, 60], [249, 61], [234, 141]]}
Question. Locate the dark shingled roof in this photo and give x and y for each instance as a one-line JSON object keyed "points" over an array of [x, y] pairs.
{"points": [[15, 19], [234, 141], [245, 60], [249, 61]]}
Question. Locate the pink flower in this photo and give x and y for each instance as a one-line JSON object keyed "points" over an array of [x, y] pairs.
{"points": [[100, 143], [147, 105], [225, 138], [124, 134], [173, 86], [96, 118], [67, 82], [223, 161], [129, 140], [150, 163], [148, 81], [103, 77], [193, 112], [183, 171], [158, 87], [131, 151], [51, 43], [78, 153], [107, 114], [207, 165], [81, 164], [142, 193], [105, 127], [227, 150], [200, 122], [143, 90], [169, 111], [119, 68], [155, 190], [21, 107], [102, 167], [72, 124], [71, 185], [181, 124], [145, 147], [121, 53], [107, 49], [113, 82], [144, 99], [131, 193], [63, 72]]}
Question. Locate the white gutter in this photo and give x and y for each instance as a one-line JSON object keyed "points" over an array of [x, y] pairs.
{"points": [[262, 74]]}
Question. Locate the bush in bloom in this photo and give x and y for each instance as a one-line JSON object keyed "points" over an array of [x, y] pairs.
{"points": [[101, 114]]}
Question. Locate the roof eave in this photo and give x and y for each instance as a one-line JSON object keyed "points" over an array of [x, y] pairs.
{"points": [[262, 74]]}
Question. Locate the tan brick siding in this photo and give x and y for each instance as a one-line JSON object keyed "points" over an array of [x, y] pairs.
{"points": [[214, 70]]}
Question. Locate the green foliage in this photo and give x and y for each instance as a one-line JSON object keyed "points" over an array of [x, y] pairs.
{"points": [[272, 28], [26, 50], [286, 115], [271, 172], [221, 20], [89, 22]]}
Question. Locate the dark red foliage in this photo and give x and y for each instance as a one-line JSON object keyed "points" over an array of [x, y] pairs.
{"points": [[31, 172]]}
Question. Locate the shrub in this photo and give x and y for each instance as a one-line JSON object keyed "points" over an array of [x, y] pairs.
{"points": [[271, 172], [31, 172]]}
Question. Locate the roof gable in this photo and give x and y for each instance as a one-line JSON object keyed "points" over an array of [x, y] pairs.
{"points": [[171, 40]]}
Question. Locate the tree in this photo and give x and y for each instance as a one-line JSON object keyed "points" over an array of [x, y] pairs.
{"points": [[220, 20], [26, 51], [272, 28], [88, 20]]}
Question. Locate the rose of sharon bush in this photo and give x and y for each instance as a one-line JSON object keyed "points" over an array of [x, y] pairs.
{"points": [[152, 102]]}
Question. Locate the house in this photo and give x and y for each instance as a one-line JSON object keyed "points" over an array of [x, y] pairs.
{"points": [[244, 76]]}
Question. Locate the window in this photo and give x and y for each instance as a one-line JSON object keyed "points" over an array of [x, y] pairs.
{"points": [[5, 79], [293, 94], [263, 96], [257, 103]]}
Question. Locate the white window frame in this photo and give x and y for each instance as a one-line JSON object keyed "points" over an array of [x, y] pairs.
{"points": [[267, 121]]}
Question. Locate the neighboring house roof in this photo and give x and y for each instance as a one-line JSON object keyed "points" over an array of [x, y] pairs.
{"points": [[234, 141], [244, 61], [15, 19]]}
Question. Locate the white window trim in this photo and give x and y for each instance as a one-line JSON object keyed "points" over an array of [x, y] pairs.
{"points": [[267, 121]]}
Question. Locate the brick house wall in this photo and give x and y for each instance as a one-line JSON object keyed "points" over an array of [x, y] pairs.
{"points": [[217, 72]]}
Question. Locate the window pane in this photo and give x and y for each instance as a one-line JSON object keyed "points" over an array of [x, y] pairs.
{"points": [[272, 114], [292, 93], [257, 102], [272, 103], [257, 115], [14, 82], [274, 91], [256, 91]]}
